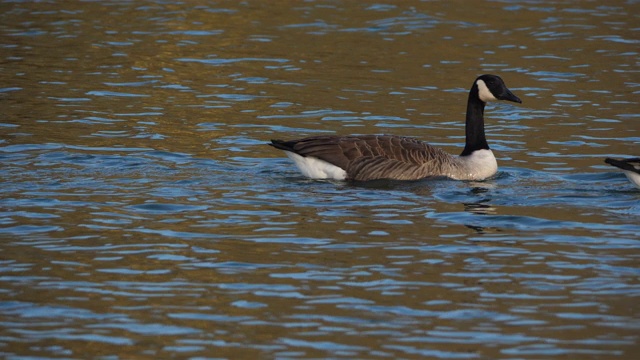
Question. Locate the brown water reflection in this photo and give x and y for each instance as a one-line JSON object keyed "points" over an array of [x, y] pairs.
{"points": [[143, 216]]}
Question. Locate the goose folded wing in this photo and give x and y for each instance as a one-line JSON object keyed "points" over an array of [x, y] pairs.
{"points": [[380, 167], [371, 157], [407, 159]]}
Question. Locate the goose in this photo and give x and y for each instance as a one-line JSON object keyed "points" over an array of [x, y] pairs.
{"points": [[372, 157], [630, 167]]}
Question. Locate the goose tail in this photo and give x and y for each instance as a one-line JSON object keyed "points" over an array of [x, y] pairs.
{"points": [[283, 145]]}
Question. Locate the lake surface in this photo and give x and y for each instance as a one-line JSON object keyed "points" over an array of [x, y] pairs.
{"points": [[143, 216]]}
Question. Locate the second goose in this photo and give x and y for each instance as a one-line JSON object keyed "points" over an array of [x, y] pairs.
{"points": [[630, 167], [371, 157]]}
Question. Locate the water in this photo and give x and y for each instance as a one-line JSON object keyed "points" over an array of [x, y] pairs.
{"points": [[143, 216]]}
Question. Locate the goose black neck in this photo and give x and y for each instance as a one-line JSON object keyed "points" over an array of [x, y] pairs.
{"points": [[474, 127]]}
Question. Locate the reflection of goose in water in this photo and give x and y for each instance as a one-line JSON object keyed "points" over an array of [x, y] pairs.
{"points": [[476, 211], [370, 157], [481, 207], [630, 167]]}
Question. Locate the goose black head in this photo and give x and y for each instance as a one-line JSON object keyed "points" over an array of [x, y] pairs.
{"points": [[492, 88]]}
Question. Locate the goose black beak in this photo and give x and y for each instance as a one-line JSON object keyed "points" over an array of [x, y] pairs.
{"points": [[508, 96]]}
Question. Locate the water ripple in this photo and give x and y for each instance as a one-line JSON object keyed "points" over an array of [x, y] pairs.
{"points": [[142, 210]]}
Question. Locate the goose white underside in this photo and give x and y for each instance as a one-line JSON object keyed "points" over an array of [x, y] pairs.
{"points": [[315, 168], [633, 177], [479, 165]]}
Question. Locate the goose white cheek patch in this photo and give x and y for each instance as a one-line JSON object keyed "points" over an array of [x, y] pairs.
{"points": [[484, 93]]}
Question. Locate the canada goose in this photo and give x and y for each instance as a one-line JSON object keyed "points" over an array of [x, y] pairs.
{"points": [[370, 157], [630, 167]]}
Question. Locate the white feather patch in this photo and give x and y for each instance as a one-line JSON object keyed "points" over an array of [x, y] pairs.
{"points": [[484, 93], [633, 177], [479, 165], [315, 168]]}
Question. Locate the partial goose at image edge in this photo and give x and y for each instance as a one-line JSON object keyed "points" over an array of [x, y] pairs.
{"points": [[629, 166]]}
